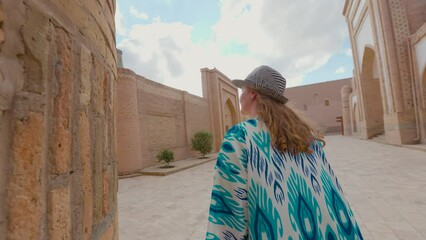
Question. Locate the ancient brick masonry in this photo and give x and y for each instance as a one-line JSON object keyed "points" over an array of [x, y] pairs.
{"points": [[58, 175], [152, 116], [386, 101]]}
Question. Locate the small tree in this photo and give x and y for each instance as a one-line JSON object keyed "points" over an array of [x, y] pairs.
{"points": [[166, 156], [202, 142]]}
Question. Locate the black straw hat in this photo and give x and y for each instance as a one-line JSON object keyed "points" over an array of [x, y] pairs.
{"points": [[266, 81]]}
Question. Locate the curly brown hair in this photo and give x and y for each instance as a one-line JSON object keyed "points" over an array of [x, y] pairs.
{"points": [[289, 132]]}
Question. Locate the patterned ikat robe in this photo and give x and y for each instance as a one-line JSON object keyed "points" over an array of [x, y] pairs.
{"points": [[261, 193]]}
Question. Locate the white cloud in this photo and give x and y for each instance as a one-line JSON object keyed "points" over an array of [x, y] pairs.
{"points": [[284, 34], [294, 38], [168, 56], [348, 52], [138, 14], [340, 70], [119, 22]]}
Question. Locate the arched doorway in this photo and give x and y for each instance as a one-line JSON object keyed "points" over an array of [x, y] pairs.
{"points": [[423, 107], [371, 94], [229, 118], [354, 119]]}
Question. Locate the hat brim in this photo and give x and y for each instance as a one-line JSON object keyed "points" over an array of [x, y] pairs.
{"points": [[243, 83]]}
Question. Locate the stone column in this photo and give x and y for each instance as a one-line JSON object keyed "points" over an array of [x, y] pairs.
{"points": [[57, 120], [128, 131]]}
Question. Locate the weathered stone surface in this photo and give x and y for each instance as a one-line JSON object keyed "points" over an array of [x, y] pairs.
{"points": [[106, 192], [86, 68], [73, 15], [1, 29], [59, 219], [5, 169], [14, 12], [35, 32], [97, 171], [116, 231], [26, 102], [61, 139], [25, 190], [106, 148], [98, 94], [60, 126], [6, 92], [11, 79], [109, 233], [34, 74], [103, 19], [87, 175]]}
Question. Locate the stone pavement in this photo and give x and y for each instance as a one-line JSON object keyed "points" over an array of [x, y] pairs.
{"points": [[386, 186], [177, 166]]}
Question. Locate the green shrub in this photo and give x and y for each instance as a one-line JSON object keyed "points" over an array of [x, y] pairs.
{"points": [[202, 142], [166, 156]]}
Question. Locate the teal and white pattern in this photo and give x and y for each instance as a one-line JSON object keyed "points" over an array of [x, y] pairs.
{"points": [[260, 193]]}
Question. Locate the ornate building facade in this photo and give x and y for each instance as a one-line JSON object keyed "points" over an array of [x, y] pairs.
{"points": [[387, 97]]}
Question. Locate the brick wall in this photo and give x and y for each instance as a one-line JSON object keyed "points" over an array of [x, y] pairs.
{"points": [[167, 118], [197, 115], [319, 103], [128, 123], [415, 10], [57, 125]]}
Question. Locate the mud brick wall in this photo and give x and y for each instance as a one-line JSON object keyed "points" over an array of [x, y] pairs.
{"points": [[58, 175], [152, 117], [196, 115]]}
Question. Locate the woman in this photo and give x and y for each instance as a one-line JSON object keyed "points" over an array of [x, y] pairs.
{"points": [[272, 180]]}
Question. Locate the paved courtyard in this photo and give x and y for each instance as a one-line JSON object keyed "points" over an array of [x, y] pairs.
{"points": [[386, 186]]}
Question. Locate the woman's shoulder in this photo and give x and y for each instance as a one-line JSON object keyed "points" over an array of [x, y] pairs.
{"points": [[240, 130], [317, 146], [252, 122], [249, 124]]}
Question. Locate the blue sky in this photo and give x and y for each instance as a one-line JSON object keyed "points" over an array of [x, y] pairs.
{"points": [[169, 41]]}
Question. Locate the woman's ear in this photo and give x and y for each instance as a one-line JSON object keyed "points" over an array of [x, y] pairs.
{"points": [[253, 95]]}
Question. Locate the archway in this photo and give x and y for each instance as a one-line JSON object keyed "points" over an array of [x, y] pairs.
{"points": [[355, 118], [423, 86], [229, 118], [422, 109], [371, 94]]}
